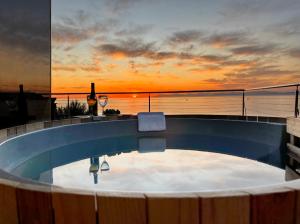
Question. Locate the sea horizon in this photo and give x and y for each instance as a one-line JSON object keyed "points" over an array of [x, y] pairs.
{"points": [[275, 105]]}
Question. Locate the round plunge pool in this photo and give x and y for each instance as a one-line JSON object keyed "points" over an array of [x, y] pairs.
{"points": [[192, 155]]}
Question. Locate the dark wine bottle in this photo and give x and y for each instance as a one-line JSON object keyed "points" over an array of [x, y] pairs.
{"points": [[93, 107]]}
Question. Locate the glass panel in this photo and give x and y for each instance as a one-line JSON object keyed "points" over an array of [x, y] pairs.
{"points": [[25, 54]]}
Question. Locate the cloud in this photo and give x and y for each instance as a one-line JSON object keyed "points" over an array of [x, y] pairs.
{"points": [[136, 66], [214, 63], [82, 16], [25, 29], [254, 49], [288, 28], [183, 37], [119, 6], [197, 58], [240, 63], [222, 66], [90, 68], [205, 69], [128, 48], [295, 53], [269, 71], [258, 74], [216, 81], [62, 33], [218, 40], [70, 35], [234, 9], [65, 68], [163, 55], [78, 28], [222, 40], [79, 17], [211, 58], [134, 30], [75, 67], [133, 48], [261, 71]]}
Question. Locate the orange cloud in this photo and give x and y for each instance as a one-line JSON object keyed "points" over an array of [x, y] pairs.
{"points": [[74, 68], [66, 68]]}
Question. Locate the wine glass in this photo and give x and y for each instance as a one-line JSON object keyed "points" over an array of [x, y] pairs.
{"points": [[91, 101], [103, 102], [104, 165]]}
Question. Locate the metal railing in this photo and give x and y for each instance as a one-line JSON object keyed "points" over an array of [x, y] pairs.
{"points": [[276, 101], [296, 93]]}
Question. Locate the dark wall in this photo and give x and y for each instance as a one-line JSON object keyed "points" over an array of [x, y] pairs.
{"points": [[25, 59]]}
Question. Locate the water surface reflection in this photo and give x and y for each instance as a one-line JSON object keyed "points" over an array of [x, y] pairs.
{"points": [[168, 171]]}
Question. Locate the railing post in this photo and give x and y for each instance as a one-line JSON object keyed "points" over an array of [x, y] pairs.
{"points": [[149, 102], [69, 114], [243, 112], [297, 102]]}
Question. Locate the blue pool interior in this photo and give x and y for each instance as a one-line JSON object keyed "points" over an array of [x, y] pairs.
{"points": [[252, 152]]}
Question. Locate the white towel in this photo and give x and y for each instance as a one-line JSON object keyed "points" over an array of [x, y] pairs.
{"points": [[152, 121]]}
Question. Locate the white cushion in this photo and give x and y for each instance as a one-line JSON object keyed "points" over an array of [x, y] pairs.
{"points": [[152, 121]]}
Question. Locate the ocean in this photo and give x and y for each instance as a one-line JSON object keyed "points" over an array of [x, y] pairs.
{"points": [[272, 105]]}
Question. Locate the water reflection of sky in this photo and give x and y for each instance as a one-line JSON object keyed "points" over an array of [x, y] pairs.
{"points": [[170, 171]]}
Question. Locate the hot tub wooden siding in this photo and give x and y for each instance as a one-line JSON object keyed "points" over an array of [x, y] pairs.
{"points": [[21, 203]]}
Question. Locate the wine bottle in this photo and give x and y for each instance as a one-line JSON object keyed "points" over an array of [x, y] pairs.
{"points": [[93, 107]]}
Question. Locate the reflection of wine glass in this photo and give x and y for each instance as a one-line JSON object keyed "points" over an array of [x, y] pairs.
{"points": [[91, 101], [103, 102], [94, 167], [104, 165]]}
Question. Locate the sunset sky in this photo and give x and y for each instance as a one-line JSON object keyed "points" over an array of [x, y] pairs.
{"points": [[148, 45]]}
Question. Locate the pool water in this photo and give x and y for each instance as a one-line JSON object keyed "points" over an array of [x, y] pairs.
{"points": [[149, 164], [169, 171]]}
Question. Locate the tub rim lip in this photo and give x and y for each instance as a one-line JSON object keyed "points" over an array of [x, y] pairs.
{"points": [[261, 189], [135, 119]]}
